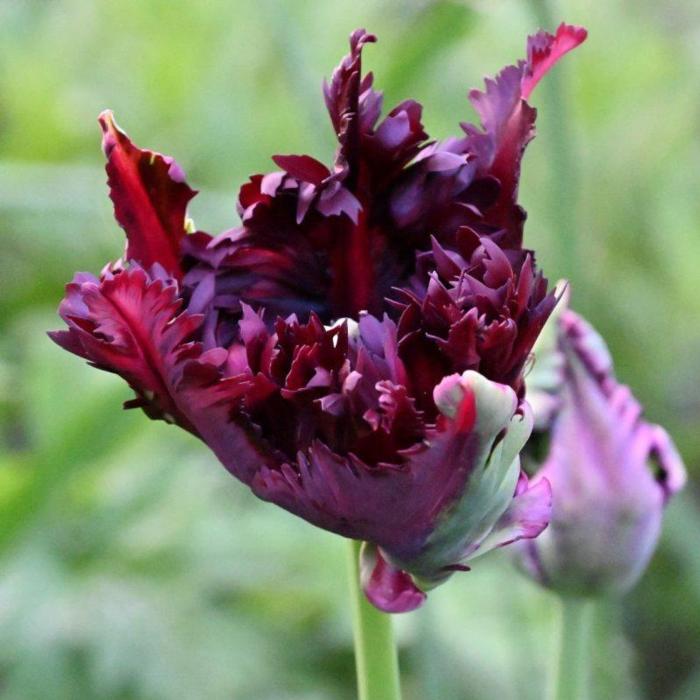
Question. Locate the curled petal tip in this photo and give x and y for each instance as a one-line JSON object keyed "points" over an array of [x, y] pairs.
{"points": [[389, 589], [455, 399], [360, 37], [672, 474], [106, 120], [109, 131], [544, 51]]}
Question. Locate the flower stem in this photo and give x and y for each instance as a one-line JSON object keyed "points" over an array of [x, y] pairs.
{"points": [[570, 669], [376, 659]]}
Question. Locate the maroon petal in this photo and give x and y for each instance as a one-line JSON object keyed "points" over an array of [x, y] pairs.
{"points": [[150, 198], [303, 168], [398, 507], [352, 103], [129, 324], [508, 122], [213, 406], [354, 350]]}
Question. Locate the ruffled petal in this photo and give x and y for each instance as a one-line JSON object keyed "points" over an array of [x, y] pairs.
{"points": [[131, 324], [508, 121], [353, 105], [354, 350], [473, 181], [501, 428], [431, 512]]}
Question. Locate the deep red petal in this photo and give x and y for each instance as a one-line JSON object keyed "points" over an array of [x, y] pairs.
{"points": [[150, 198]]}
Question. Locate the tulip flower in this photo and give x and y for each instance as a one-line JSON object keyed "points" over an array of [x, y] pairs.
{"points": [[353, 351], [611, 472]]}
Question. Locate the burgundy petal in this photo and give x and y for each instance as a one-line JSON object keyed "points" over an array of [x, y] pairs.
{"points": [[354, 349], [303, 168], [150, 198], [129, 324], [351, 102]]}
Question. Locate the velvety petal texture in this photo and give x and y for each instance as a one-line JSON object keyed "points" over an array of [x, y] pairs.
{"points": [[612, 473], [353, 350]]}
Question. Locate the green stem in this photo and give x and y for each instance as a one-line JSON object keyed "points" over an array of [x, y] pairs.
{"points": [[375, 650], [563, 182], [570, 670]]}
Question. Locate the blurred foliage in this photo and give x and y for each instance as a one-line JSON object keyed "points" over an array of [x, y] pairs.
{"points": [[132, 566]]}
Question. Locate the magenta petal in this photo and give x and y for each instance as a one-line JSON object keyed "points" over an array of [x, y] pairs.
{"points": [[386, 587], [69, 341], [339, 201], [509, 125], [544, 50], [211, 403]]}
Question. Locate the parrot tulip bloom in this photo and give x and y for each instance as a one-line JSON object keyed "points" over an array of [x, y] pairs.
{"points": [[611, 472], [354, 350]]}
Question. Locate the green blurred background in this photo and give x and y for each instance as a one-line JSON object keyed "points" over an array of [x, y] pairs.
{"points": [[131, 565]]}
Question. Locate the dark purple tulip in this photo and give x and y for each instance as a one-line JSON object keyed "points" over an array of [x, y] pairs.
{"points": [[354, 350], [611, 472]]}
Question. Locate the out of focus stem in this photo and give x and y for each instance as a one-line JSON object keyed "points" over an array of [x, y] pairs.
{"points": [[376, 659], [570, 665], [563, 180]]}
